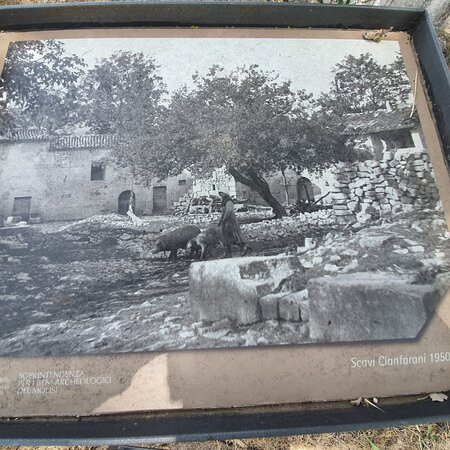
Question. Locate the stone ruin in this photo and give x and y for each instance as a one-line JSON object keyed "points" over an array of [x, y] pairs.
{"points": [[399, 183], [236, 288], [345, 308]]}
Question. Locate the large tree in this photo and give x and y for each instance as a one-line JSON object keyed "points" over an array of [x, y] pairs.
{"points": [[120, 90], [360, 84], [123, 95], [247, 121], [38, 86]]}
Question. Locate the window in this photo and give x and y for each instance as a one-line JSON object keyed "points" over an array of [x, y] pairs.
{"points": [[401, 139], [98, 171], [182, 182]]}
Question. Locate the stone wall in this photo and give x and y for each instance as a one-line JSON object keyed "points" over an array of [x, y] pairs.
{"points": [[367, 190], [58, 180], [220, 180]]}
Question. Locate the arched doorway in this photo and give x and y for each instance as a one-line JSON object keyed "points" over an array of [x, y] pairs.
{"points": [[305, 192], [124, 202]]}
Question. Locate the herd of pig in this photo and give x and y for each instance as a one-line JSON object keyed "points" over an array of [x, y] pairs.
{"points": [[191, 238]]}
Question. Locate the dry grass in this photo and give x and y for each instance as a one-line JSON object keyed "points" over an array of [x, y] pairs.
{"points": [[34, 2], [424, 437]]}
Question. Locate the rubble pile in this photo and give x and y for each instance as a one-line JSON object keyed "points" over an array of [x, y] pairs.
{"points": [[188, 204], [14, 240], [387, 278], [93, 234], [182, 205], [75, 299], [292, 226], [208, 205], [371, 189], [405, 243]]}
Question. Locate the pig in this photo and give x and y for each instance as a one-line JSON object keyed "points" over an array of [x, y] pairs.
{"points": [[210, 237], [176, 239]]}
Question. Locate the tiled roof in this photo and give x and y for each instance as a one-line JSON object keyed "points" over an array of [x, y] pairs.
{"points": [[378, 121], [24, 135], [80, 142], [63, 142]]}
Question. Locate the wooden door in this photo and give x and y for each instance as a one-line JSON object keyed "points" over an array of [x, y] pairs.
{"points": [[159, 199], [21, 207]]}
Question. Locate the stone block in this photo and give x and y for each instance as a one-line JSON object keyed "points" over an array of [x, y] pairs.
{"points": [[363, 218], [269, 305], [374, 241], [360, 182], [342, 220], [388, 156], [408, 208], [407, 200], [369, 209], [231, 288], [290, 305], [339, 196], [342, 212], [368, 307], [353, 206]]}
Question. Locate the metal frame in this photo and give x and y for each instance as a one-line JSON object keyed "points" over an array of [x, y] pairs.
{"points": [[202, 425], [172, 426]]}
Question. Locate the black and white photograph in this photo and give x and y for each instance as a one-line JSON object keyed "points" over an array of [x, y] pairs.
{"points": [[179, 193]]}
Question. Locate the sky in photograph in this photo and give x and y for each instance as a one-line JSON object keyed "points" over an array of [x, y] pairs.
{"points": [[308, 63]]}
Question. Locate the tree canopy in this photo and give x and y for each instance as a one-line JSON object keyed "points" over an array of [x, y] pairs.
{"points": [[361, 84], [38, 87], [248, 121], [122, 94]]}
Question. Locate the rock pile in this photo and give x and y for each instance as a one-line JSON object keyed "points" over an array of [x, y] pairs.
{"points": [[195, 205], [292, 226], [181, 206], [370, 189]]}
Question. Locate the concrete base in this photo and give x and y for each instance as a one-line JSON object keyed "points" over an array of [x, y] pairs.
{"points": [[368, 307], [231, 288]]}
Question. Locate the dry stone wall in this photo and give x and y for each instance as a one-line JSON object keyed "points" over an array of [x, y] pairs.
{"points": [[364, 191]]}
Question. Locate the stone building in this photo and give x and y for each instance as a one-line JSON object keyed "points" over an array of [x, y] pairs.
{"points": [[288, 189], [72, 177], [373, 133], [220, 180]]}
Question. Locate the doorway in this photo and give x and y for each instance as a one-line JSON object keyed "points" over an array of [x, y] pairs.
{"points": [[159, 199], [22, 207], [124, 202], [305, 192]]}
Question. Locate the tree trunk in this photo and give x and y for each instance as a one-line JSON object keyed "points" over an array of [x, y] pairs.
{"points": [[254, 181], [286, 190]]}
